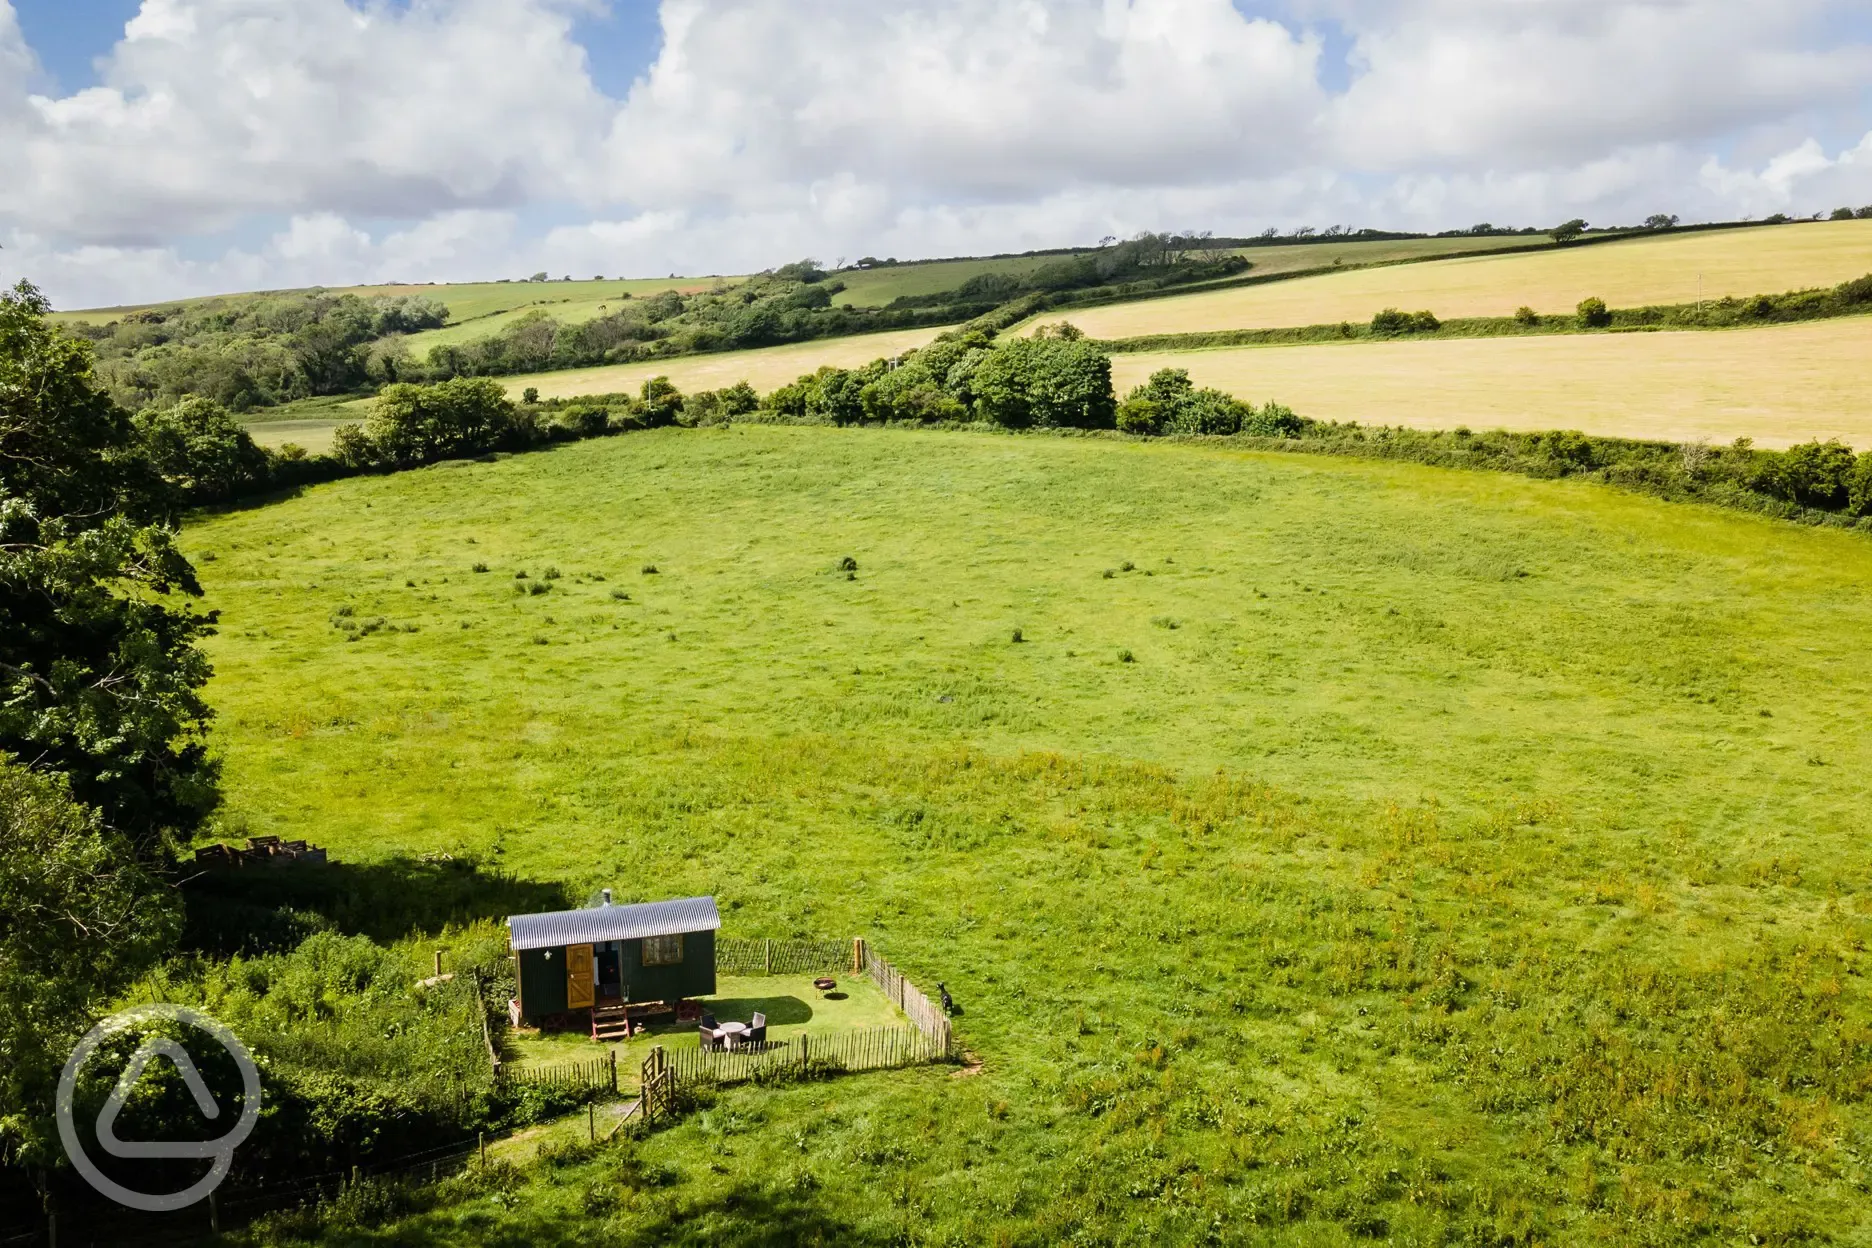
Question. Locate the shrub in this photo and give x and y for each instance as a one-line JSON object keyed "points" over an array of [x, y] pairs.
{"points": [[1818, 474], [1858, 290], [1274, 421], [1859, 487], [480, 567], [1390, 323], [413, 424], [1140, 416], [201, 451], [911, 391], [1593, 313], [1170, 403], [1567, 231], [1525, 315], [530, 395], [1865, 213], [1568, 447], [1045, 383], [583, 420], [1841, 214], [661, 402]]}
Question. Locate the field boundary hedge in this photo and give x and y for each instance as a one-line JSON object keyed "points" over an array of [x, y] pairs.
{"points": [[1852, 298]]}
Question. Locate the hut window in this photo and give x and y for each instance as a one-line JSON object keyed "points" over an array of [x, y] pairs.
{"points": [[662, 950]]}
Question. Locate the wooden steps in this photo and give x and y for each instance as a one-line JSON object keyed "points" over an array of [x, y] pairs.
{"points": [[610, 1023]]}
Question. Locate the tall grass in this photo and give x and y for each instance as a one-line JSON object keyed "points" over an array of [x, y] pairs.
{"points": [[1439, 878]]}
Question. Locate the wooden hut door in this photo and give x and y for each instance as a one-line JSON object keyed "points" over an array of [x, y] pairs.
{"points": [[578, 977]]}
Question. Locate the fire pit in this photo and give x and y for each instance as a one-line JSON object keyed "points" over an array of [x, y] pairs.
{"points": [[825, 984]]}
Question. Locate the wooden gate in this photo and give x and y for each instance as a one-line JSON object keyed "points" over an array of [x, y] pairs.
{"points": [[658, 1092], [578, 977]]}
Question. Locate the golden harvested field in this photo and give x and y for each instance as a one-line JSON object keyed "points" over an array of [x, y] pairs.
{"points": [[765, 368], [1777, 385], [1654, 269]]}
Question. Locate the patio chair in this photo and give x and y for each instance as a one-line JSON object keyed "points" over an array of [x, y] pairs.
{"points": [[757, 1029], [709, 1037]]}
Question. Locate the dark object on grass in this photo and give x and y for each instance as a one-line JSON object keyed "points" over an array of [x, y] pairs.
{"points": [[650, 569], [948, 1002], [825, 984], [757, 1029], [848, 564]]}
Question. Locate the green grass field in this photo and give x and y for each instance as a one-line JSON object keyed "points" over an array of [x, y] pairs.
{"points": [[1655, 269], [876, 287], [467, 301], [1778, 385], [1345, 850]]}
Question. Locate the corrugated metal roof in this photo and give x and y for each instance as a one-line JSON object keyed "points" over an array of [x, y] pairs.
{"points": [[584, 927]]}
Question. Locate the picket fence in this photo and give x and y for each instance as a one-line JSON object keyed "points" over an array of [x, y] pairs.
{"points": [[667, 1071]]}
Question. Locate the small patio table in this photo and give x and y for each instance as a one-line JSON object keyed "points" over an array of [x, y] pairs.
{"points": [[733, 1033]]}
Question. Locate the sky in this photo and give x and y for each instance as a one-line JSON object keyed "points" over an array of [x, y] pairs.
{"points": [[154, 149]]}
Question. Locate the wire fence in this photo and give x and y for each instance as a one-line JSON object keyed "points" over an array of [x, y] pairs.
{"points": [[746, 955]]}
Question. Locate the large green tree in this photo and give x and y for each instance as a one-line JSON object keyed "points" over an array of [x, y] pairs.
{"points": [[80, 917], [1045, 382], [100, 676]]}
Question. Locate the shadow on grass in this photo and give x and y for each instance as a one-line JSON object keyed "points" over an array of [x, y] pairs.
{"points": [[744, 1216], [780, 1011], [267, 909]]}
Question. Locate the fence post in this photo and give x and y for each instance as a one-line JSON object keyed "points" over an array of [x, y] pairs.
{"points": [[857, 955], [805, 1063], [614, 1084], [481, 1143], [769, 947]]}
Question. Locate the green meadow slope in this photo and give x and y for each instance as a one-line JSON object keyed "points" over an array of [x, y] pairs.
{"points": [[1341, 850]]}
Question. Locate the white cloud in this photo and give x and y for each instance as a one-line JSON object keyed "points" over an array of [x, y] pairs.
{"points": [[769, 129], [1480, 84], [211, 110], [1794, 179]]}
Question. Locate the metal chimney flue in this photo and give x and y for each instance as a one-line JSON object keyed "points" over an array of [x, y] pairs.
{"points": [[606, 894]]}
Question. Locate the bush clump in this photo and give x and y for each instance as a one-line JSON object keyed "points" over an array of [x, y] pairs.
{"points": [[1170, 403], [1391, 323], [1593, 313]]}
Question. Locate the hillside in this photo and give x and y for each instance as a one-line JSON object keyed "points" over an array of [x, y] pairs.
{"points": [[1776, 385], [1340, 849], [1650, 269]]}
